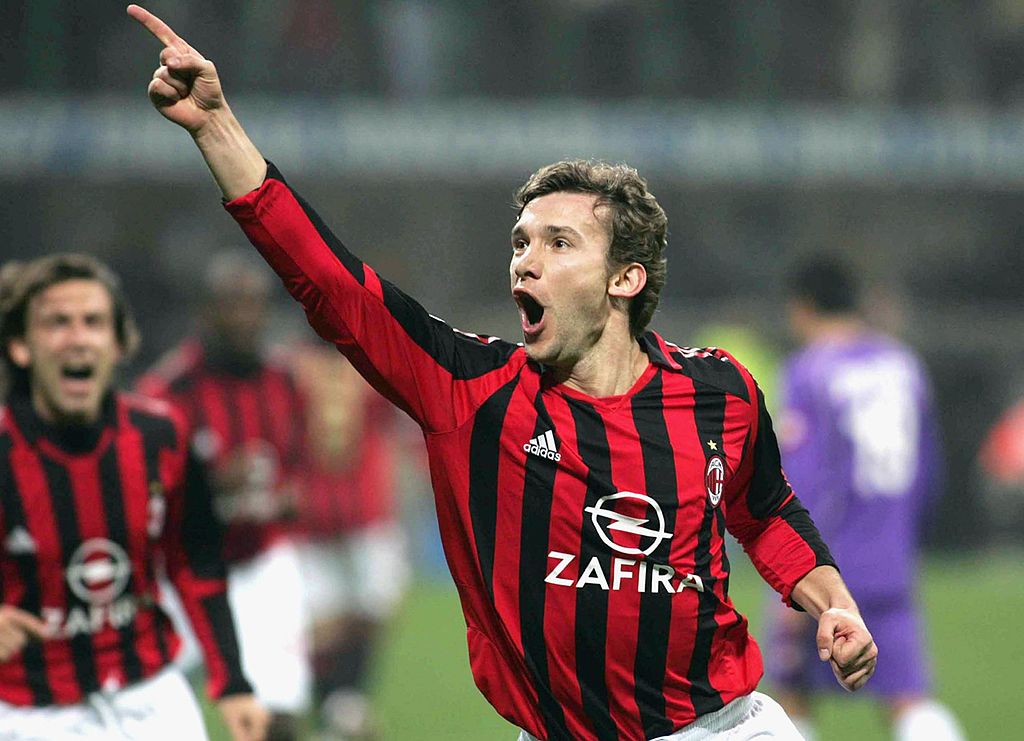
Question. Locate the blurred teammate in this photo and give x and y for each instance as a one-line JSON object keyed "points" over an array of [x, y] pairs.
{"points": [[352, 548], [246, 414], [583, 480], [97, 488], [859, 440]]}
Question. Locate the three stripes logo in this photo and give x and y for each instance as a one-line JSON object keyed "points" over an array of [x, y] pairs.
{"points": [[543, 446]]}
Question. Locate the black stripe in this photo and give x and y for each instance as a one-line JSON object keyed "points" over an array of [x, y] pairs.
{"points": [[484, 452], [28, 570], [158, 434], [592, 603], [112, 491], [709, 414], [538, 491], [719, 373], [655, 608], [218, 614], [63, 506], [768, 486], [796, 514]]}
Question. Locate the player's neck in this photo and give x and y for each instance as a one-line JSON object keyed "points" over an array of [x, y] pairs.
{"points": [[611, 368], [836, 329]]}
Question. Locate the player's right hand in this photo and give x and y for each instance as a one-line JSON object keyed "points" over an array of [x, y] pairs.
{"points": [[185, 87], [17, 628]]}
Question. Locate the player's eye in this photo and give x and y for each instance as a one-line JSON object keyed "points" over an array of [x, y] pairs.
{"points": [[561, 244], [518, 245]]}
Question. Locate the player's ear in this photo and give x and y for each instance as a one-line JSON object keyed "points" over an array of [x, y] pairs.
{"points": [[17, 348], [627, 281]]}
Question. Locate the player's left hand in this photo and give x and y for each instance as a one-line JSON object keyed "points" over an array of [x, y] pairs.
{"points": [[245, 718], [845, 642]]}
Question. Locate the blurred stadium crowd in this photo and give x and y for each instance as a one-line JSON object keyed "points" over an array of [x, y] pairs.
{"points": [[865, 51]]}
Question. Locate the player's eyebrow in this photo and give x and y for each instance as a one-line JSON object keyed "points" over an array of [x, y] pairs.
{"points": [[552, 230]]}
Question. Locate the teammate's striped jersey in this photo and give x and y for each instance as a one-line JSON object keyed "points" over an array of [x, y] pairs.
{"points": [[251, 411], [86, 515], [585, 535], [349, 475]]}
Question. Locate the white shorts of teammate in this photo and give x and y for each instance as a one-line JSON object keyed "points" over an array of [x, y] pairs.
{"points": [[267, 603], [266, 597], [366, 572], [753, 716], [161, 708]]}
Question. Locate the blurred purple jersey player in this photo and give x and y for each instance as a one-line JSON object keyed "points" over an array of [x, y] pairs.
{"points": [[859, 443]]}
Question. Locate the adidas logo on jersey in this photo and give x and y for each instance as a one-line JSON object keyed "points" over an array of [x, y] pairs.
{"points": [[19, 542], [543, 446]]}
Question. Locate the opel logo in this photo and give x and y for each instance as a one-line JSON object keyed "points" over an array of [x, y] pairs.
{"points": [[99, 571], [606, 519]]}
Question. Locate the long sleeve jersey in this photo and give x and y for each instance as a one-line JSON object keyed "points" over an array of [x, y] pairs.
{"points": [[87, 517], [585, 535]]}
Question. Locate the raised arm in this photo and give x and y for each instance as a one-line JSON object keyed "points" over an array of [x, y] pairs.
{"points": [[186, 90], [435, 373]]}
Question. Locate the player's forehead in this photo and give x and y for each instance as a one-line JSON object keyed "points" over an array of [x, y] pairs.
{"points": [[579, 212], [72, 296]]}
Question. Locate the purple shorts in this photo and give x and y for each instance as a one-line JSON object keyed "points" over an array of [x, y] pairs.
{"points": [[791, 661]]}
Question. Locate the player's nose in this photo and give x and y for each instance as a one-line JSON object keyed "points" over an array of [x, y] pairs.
{"points": [[527, 264]]}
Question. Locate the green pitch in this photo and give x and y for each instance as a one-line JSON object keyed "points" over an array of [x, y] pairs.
{"points": [[973, 603]]}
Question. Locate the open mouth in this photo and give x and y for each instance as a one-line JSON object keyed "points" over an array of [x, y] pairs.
{"points": [[531, 311], [77, 372]]}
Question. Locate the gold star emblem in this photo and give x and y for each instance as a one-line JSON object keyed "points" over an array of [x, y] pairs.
{"points": [[712, 444]]}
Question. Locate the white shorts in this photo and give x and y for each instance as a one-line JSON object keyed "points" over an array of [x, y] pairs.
{"points": [[366, 572], [752, 717], [161, 708], [266, 599]]}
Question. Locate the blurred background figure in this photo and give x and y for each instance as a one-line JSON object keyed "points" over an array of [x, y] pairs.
{"points": [[352, 546], [245, 411], [1001, 464], [860, 443]]}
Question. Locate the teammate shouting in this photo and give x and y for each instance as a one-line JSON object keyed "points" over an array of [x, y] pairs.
{"points": [[594, 582], [96, 489]]}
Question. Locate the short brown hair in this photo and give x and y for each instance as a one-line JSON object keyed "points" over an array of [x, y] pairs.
{"points": [[21, 281], [639, 225]]}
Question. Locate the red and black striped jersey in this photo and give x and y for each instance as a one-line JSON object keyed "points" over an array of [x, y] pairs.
{"points": [[585, 535], [88, 518], [349, 477], [242, 415]]}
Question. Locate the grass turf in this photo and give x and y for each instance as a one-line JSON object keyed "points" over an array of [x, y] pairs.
{"points": [[424, 689]]}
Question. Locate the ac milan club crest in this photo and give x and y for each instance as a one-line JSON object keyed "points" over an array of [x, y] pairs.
{"points": [[714, 479]]}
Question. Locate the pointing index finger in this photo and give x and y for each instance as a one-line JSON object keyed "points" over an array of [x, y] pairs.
{"points": [[157, 27]]}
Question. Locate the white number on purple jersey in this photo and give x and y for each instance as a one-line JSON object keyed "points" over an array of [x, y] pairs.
{"points": [[875, 400]]}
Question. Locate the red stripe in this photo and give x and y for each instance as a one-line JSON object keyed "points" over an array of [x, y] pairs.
{"points": [[627, 474], [371, 281], [283, 413], [215, 410], [247, 401], [560, 600], [689, 464], [88, 498], [31, 483]]}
